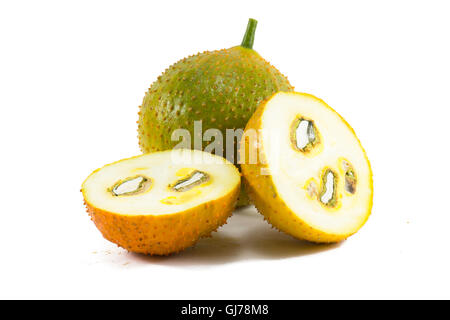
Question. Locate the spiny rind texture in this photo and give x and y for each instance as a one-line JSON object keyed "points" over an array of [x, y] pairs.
{"points": [[222, 88], [166, 234]]}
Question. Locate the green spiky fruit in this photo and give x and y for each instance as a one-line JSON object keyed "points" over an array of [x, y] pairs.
{"points": [[221, 88]]}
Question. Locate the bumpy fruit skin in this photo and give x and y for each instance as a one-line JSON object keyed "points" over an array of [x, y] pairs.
{"points": [[264, 195], [166, 234], [222, 88]]}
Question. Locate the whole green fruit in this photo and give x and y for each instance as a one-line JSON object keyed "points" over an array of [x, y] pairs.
{"points": [[221, 88]]}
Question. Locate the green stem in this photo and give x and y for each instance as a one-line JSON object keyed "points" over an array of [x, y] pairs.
{"points": [[249, 36]]}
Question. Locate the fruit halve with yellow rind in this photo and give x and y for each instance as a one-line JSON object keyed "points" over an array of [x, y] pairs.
{"points": [[163, 202], [221, 88], [310, 177]]}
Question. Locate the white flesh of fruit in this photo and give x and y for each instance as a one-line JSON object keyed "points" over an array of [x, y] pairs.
{"points": [[292, 170], [163, 170]]}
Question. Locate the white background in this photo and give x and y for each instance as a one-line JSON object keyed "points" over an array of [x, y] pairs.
{"points": [[73, 73]]}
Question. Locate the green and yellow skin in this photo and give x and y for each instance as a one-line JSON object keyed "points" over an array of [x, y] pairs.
{"points": [[221, 88]]}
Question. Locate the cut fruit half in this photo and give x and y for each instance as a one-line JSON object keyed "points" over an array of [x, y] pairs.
{"points": [[305, 170], [163, 202]]}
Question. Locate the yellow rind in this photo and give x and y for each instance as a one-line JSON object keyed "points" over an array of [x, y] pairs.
{"points": [[263, 192], [163, 234]]}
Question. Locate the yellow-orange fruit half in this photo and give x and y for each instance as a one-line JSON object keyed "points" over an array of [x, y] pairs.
{"points": [[163, 202], [305, 170]]}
